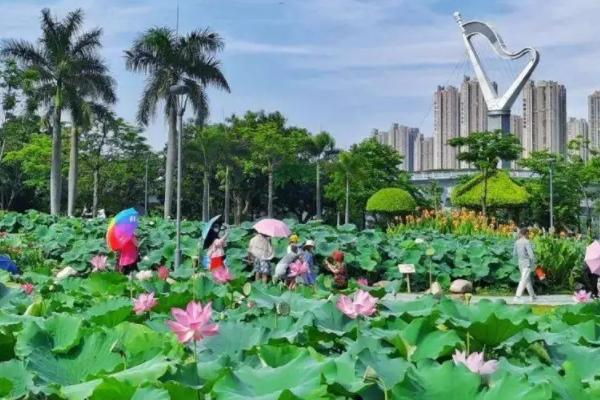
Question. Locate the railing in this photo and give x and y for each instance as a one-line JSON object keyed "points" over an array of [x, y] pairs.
{"points": [[445, 175]]}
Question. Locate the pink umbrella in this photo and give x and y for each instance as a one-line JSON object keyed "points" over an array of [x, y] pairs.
{"points": [[272, 227], [592, 257]]}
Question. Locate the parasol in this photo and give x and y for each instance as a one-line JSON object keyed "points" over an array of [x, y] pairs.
{"points": [[122, 229], [272, 227]]}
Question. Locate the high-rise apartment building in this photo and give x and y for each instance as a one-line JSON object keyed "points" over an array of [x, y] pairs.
{"points": [[446, 125], [594, 120], [544, 117], [577, 129], [473, 110], [402, 139], [427, 153]]}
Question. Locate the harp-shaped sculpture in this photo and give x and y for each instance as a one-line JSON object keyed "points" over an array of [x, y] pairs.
{"points": [[498, 105]]}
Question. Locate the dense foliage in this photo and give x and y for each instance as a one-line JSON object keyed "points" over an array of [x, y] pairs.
{"points": [[79, 338], [393, 201], [502, 192]]}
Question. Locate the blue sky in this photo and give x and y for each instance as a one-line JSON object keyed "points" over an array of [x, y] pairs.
{"points": [[345, 66]]}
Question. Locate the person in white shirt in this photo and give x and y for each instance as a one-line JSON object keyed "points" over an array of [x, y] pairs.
{"points": [[523, 251]]}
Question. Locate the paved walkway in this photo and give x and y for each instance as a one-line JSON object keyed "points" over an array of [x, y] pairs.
{"points": [[546, 300]]}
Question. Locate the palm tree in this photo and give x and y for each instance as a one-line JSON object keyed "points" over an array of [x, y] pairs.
{"points": [[350, 166], [64, 61], [83, 115], [168, 59], [322, 146]]}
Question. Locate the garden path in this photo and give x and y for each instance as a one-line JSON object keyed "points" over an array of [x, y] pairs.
{"points": [[545, 300]]}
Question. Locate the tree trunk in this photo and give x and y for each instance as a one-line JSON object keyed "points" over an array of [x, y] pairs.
{"points": [[227, 196], [337, 218], [95, 193], [73, 170], [237, 215], [170, 162], [347, 210], [205, 194], [55, 173], [484, 197], [270, 199], [319, 216]]}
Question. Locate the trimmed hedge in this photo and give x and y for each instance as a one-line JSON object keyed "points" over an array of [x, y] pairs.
{"points": [[503, 192], [391, 201]]}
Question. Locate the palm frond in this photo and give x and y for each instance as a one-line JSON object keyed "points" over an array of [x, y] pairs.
{"points": [[24, 52], [208, 71], [87, 42], [198, 100]]}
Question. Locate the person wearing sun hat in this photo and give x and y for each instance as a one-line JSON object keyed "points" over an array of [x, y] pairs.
{"points": [[309, 257], [338, 269], [293, 243]]}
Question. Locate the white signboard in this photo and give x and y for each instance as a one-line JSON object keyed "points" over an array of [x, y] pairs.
{"points": [[406, 268]]}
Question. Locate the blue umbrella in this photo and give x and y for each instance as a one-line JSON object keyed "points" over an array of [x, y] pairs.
{"points": [[207, 229], [8, 265]]}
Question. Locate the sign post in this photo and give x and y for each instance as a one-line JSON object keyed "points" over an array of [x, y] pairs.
{"points": [[407, 269]]}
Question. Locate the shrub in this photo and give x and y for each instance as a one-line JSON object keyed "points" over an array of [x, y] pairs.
{"points": [[391, 201], [503, 192]]}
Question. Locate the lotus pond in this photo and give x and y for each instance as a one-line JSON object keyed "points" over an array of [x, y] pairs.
{"points": [[79, 337]]}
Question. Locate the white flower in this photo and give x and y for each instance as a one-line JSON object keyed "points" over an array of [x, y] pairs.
{"points": [[143, 275], [65, 273], [419, 241]]}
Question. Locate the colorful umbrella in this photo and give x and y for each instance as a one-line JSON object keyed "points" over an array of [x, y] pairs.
{"points": [[272, 227], [121, 229], [592, 257], [207, 229]]}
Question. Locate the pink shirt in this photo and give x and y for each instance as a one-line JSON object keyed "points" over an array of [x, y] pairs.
{"points": [[217, 248]]}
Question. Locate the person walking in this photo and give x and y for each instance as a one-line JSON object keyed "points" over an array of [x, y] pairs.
{"points": [[523, 251]]}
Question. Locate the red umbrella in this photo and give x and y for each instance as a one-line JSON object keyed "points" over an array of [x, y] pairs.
{"points": [[272, 227]]}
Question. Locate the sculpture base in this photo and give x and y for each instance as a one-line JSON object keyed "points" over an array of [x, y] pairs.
{"points": [[499, 120]]}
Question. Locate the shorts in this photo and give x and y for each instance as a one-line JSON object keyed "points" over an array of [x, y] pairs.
{"points": [[262, 267]]}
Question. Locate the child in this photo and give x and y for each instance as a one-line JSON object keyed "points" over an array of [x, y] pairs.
{"points": [[216, 250], [261, 253], [308, 256], [338, 269], [128, 257]]}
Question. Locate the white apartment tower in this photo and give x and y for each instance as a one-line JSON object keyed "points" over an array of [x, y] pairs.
{"points": [[446, 125], [544, 117]]}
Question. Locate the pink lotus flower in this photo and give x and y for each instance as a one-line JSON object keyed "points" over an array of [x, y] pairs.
{"points": [[27, 288], [163, 273], [145, 302], [99, 263], [221, 275], [362, 281], [582, 296], [362, 304], [298, 268], [194, 323], [474, 362]]}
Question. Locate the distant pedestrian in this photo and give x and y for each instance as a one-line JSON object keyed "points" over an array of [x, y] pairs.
{"points": [[523, 251]]}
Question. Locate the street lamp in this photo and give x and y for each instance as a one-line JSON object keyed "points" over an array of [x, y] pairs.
{"points": [[179, 90], [551, 162]]}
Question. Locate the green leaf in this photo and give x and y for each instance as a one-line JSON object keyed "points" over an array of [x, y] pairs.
{"points": [[64, 330], [110, 312], [300, 377], [444, 381], [15, 381], [151, 394], [516, 388]]}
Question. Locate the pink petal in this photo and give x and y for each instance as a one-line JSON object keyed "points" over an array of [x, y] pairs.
{"points": [[489, 367], [181, 316], [194, 310], [345, 305], [459, 357]]}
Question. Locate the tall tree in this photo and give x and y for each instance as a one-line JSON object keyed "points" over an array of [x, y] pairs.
{"points": [[322, 146], [485, 150], [65, 60], [168, 59]]}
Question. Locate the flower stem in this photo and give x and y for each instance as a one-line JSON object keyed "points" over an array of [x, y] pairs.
{"points": [[196, 364]]}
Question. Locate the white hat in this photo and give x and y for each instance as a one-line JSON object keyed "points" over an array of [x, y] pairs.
{"points": [[310, 243]]}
